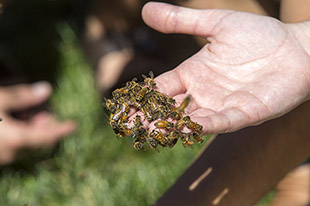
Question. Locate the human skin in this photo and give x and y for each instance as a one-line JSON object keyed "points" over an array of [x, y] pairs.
{"points": [[41, 130], [254, 69], [294, 11]]}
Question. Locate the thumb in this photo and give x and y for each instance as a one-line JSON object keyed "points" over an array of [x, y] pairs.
{"points": [[167, 18]]}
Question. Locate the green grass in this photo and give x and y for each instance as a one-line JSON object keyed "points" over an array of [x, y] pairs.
{"points": [[91, 167]]}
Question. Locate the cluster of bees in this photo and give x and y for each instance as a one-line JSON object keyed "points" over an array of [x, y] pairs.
{"points": [[169, 119]]}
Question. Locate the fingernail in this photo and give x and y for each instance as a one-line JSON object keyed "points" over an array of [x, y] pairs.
{"points": [[41, 88]]}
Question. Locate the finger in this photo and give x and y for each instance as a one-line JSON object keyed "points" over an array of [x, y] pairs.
{"points": [[10, 140], [45, 130], [170, 83], [24, 96], [192, 106], [175, 19], [227, 120]]}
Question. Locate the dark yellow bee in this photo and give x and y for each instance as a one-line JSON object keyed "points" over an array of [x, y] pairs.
{"points": [[177, 112], [133, 103], [192, 125], [170, 100], [173, 138], [186, 139], [142, 93], [118, 93], [163, 112], [164, 124], [117, 115], [153, 143], [180, 123], [138, 122], [110, 105], [159, 98], [132, 84], [117, 128], [184, 103], [138, 145], [149, 80], [162, 139], [147, 113], [197, 137], [127, 132], [124, 107]]}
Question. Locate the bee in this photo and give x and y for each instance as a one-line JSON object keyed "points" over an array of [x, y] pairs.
{"points": [[113, 124], [118, 93], [163, 112], [110, 105], [184, 104], [138, 145], [177, 112], [156, 115], [133, 87], [164, 124], [197, 137], [127, 133], [179, 124], [192, 125], [131, 84], [142, 93], [153, 143], [162, 139], [174, 134], [159, 98], [173, 142], [123, 112], [152, 104], [147, 114], [117, 129], [125, 107], [173, 138], [175, 115], [143, 134], [117, 115], [149, 81], [137, 121], [170, 101], [186, 141], [122, 129], [133, 103]]}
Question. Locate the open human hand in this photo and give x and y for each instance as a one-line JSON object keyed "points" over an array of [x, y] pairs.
{"points": [[42, 130], [253, 69]]}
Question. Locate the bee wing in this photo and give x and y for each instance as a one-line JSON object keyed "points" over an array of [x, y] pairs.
{"points": [[144, 77], [151, 74]]}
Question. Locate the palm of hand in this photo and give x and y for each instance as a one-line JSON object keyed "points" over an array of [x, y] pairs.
{"points": [[251, 71]]}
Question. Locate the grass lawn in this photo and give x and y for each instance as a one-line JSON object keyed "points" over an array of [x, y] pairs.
{"points": [[91, 167]]}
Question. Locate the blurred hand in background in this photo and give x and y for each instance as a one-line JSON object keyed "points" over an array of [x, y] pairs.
{"points": [[41, 130]]}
